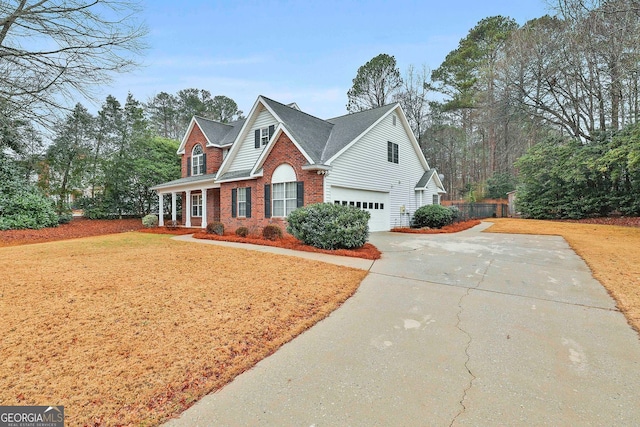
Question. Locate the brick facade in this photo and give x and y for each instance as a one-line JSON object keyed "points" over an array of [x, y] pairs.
{"points": [[284, 151], [219, 199], [213, 154], [214, 157]]}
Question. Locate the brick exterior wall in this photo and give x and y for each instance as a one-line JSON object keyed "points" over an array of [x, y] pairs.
{"points": [[213, 154], [284, 151], [214, 160]]}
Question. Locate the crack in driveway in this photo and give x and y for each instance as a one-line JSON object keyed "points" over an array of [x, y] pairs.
{"points": [[469, 341]]}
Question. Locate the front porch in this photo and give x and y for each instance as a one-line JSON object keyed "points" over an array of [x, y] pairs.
{"points": [[200, 198]]}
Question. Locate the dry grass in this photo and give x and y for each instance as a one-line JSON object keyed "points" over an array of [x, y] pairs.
{"points": [[130, 329], [612, 253]]}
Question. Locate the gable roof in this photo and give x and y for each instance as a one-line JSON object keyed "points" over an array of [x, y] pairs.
{"points": [[349, 127], [310, 132], [320, 141], [429, 175], [216, 133]]}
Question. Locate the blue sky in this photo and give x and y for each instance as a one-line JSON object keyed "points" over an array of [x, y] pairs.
{"points": [[296, 51]]}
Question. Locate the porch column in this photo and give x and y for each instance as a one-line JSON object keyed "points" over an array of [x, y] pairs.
{"points": [[187, 222], [161, 209], [204, 208], [174, 215]]}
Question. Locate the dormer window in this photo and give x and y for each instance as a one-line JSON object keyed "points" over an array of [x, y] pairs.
{"points": [[197, 160]]}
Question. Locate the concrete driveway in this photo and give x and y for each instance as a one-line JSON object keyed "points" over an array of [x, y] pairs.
{"points": [[465, 329]]}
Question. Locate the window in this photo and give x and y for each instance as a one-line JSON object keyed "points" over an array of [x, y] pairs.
{"points": [[196, 204], [264, 136], [392, 152], [393, 119], [197, 160], [285, 196], [436, 199], [242, 202]]}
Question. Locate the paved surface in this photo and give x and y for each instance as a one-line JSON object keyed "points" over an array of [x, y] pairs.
{"points": [[466, 329]]}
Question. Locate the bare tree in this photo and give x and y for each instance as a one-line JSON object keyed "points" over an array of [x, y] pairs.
{"points": [[375, 84], [52, 51], [413, 98]]}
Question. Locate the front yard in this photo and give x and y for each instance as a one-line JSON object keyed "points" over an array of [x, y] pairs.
{"points": [[130, 329]]}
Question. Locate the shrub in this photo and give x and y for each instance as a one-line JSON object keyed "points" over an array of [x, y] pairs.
{"points": [[26, 210], [330, 226], [215, 227], [242, 231], [272, 232], [150, 221], [455, 213], [432, 216], [65, 218]]}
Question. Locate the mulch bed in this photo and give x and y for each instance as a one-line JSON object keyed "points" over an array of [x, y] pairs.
{"points": [[453, 228], [78, 227], [368, 251]]}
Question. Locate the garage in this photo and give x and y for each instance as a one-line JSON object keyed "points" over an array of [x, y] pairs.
{"points": [[374, 202]]}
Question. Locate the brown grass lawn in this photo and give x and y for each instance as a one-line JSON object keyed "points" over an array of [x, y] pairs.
{"points": [[612, 253], [132, 328]]}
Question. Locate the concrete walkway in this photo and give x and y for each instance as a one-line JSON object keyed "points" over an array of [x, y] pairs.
{"points": [[466, 329]]}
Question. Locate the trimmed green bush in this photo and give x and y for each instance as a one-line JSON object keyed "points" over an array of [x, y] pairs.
{"points": [[330, 226], [432, 216], [65, 218], [215, 227], [455, 213], [150, 221], [272, 232], [242, 231]]}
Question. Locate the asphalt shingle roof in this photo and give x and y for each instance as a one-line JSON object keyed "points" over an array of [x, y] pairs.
{"points": [[425, 178], [320, 139], [347, 128]]}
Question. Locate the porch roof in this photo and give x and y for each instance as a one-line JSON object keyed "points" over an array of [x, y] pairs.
{"points": [[186, 183]]}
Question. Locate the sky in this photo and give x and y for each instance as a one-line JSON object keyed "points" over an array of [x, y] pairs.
{"points": [[306, 52]]}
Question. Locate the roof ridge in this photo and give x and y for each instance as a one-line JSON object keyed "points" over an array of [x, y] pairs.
{"points": [[365, 111], [214, 121], [295, 109]]}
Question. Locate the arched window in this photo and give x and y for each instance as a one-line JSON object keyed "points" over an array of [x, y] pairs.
{"points": [[197, 160], [284, 190]]}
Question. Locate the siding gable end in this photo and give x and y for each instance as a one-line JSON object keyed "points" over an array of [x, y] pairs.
{"points": [[244, 153]]}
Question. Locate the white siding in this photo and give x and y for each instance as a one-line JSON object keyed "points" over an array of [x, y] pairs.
{"points": [[365, 166], [431, 189], [247, 155]]}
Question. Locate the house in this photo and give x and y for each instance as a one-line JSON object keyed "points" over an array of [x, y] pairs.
{"points": [[255, 171]]}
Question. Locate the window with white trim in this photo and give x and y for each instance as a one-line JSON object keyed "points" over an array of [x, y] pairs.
{"points": [[392, 152], [436, 199], [264, 136], [284, 197], [197, 160], [242, 201], [196, 205]]}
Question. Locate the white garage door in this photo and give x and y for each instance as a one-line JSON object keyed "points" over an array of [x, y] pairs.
{"points": [[374, 202]]}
